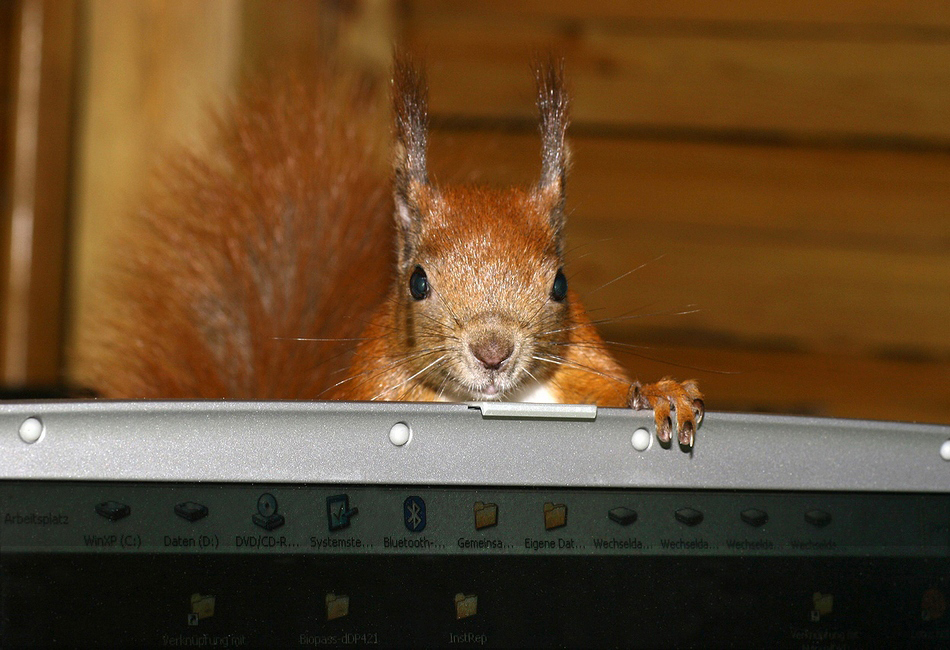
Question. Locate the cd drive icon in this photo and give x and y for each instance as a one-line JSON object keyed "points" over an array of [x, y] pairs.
{"points": [[267, 516]]}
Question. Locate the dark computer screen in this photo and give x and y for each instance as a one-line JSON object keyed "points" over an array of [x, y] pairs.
{"points": [[226, 565]]}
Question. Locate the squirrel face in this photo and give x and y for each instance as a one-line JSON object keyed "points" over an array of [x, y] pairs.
{"points": [[482, 291]]}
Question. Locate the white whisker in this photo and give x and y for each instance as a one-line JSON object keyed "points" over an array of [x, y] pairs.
{"points": [[405, 381], [623, 275]]}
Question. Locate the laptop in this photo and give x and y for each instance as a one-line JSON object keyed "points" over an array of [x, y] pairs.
{"points": [[333, 524]]}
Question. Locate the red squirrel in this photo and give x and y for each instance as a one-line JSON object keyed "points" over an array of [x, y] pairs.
{"points": [[259, 270]]}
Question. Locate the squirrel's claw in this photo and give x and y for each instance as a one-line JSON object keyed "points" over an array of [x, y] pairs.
{"points": [[666, 397]]}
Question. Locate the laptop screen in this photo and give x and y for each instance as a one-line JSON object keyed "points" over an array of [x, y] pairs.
{"points": [[287, 525]]}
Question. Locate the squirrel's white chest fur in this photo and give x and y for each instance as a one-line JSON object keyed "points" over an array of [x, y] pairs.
{"points": [[535, 392]]}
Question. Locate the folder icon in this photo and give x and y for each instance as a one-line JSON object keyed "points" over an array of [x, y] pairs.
{"points": [[555, 515], [202, 606], [486, 515], [824, 604], [465, 606], [337, 606]]}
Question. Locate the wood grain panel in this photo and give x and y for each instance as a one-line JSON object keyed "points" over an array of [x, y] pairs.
{"points": [[803, 87], [356, 34], [931, 13], [848, 199], [814, 298], [48, 309], [39, 64], [9, 43], [282, 31]]}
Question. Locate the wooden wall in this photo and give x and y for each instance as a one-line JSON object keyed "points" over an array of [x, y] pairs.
{"points": [[760, 195], [37, 75]]}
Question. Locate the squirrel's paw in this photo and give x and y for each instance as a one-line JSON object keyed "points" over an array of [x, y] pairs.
{"points": [[665, 397]]}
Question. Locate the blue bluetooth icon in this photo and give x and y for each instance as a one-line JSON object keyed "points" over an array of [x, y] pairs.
{"points": [[414, 514]]}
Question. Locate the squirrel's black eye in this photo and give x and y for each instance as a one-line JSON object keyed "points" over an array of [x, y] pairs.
{"points": [[559, 290], [419, 284]]}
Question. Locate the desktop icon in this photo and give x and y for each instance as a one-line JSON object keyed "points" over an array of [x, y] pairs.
{"points": [[555, 515], [339, 512], [113, 510], [337, 606], [201, 607], [266, 516], [688, 516], [465, 605], [822, 605], [191, 511], [754, 517], [621, 515], [414, 514], [933, 605], [486, 515]]}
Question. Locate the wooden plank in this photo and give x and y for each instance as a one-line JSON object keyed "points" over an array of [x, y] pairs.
{"points": [[9, 41], [788, 382], [882, 200], [282, 31], [930, 13], [814, 298], [304, 33], [47, 311], [798, 86], [19, 217], [39, 69]]}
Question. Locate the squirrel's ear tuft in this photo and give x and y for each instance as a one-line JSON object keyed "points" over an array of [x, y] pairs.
{"points": [[411, 125], [553, 102]]}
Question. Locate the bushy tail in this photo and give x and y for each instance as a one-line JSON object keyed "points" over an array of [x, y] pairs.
{"points": [[280, 233]]}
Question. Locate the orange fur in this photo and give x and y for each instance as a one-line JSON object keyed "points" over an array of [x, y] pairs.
{"points": [[242, 250]]}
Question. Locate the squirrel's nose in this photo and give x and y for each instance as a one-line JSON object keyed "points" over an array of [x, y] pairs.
{"points": [[493, 352]]}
